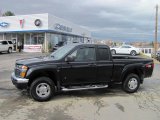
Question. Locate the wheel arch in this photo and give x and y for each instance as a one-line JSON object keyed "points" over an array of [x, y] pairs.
{"points": [[138, 70], [42, 73]]}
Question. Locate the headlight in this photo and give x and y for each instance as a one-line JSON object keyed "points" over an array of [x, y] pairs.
{"points": [[23, 71]]}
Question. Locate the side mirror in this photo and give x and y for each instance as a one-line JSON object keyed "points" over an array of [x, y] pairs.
{"points": [[69, 59]]}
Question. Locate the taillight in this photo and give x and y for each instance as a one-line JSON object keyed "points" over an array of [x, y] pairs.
{"points": [[150, 65]]}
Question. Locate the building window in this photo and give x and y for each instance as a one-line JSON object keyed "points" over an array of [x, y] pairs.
{"points": [[146, 50], [27, 42], [1, 36], [8, 36], [40, 38], [34, 39]]}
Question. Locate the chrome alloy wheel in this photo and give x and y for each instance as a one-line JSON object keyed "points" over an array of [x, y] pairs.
{"points": [[133, 83], [43, 90]]}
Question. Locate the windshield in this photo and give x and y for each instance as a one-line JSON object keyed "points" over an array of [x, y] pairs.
{"points": [[61, 52]]}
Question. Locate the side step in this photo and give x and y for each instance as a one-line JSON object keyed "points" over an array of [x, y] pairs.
{"points": [[88, 87]]}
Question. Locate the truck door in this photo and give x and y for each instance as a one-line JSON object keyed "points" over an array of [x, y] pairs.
{"points": [[104, 64], [82, 70]]}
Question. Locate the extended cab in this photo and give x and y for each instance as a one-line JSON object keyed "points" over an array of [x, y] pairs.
{"points": [[79, 67]]}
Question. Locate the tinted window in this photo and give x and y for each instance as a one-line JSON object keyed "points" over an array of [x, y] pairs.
{"points": [[123, 47], [84, 54], [62, 51], [126, 47], [10, 42], [4, 42], [103, 54]]}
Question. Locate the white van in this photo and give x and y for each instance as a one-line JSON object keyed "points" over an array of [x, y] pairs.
{"points": [[6, 46]]}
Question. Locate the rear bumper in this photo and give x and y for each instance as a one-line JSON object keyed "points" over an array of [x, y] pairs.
{"points": [[20, 83]]}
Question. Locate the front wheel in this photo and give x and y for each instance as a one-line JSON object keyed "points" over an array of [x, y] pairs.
{"points": [[42, 89], [131, 83]]}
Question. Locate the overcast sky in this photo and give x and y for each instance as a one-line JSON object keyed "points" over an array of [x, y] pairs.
{"points": [[127, 20]]}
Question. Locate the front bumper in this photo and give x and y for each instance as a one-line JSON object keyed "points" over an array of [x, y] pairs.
{"points": [[20, 83]]}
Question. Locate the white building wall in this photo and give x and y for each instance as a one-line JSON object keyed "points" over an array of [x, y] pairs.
{"points": [[76, 30], [48, 23], [147, 51]]}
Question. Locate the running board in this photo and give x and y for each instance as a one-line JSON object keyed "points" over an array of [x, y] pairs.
{"points": [[76, 88]]}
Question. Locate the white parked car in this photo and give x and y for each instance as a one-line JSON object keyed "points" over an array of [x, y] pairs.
{"points": [[6, 46], [125, 49]]}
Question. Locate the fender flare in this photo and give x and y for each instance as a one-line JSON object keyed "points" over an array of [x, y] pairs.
{"points": [[139, 67]]}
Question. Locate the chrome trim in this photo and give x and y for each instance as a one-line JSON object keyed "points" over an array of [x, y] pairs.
{"points": [[84, 88], [132, 84], [18, 80], [43, 90]]}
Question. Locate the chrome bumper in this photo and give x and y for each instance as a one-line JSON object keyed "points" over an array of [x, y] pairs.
{"points": [[17, 80]]}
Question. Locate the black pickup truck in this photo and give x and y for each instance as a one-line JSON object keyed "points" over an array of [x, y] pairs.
{"points": [[79, 67]]}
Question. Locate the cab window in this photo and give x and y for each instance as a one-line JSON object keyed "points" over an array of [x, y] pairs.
{"points": [[84, 54], [103, 54]]}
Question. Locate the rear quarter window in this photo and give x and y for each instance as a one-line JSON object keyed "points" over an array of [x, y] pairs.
{"points": [[103, 54]]}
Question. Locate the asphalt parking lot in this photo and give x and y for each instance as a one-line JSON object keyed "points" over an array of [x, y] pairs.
{"points": [[111, 103]]}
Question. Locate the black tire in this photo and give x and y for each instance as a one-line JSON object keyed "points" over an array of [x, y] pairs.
{"points": [[133, 53], [48, 87], [9, 50], [128, 86], [113, 52]]}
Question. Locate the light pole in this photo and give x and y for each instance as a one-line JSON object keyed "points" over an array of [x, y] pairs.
{"points": [[156, 29]]}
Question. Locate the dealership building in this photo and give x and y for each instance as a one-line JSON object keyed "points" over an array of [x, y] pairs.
{"points": [[41, 32]]}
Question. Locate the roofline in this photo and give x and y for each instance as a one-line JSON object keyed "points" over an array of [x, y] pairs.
{"points": [[45, 30], [23, 15]]}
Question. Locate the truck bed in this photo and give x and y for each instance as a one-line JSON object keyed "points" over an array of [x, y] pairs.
{"points": [[122, 61]]}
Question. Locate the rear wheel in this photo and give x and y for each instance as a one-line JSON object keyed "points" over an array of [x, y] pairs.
{"points": [[42, 89], [113, 52], [133, 53], [131, 83]]}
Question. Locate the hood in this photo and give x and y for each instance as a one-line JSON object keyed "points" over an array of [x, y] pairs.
{"points": [[35, 60]]}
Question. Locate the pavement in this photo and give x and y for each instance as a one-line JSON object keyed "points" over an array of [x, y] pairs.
{"points": [[104, 104]]}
